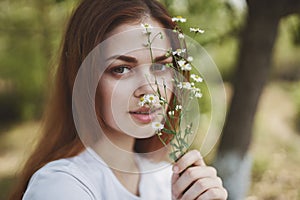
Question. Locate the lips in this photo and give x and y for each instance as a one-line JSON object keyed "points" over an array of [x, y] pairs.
{"points": [[144, 114]]}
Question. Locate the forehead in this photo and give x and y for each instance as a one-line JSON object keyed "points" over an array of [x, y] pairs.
{"points": [[130, 38]]}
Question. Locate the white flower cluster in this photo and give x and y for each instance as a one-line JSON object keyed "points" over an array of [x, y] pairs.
{"points": [[196, 78], [195, 92], [196, 30], [179, 19], [148, 99], [183, 64]]}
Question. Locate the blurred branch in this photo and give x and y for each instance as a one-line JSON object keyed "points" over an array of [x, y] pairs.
{"points": [[295, 30], [234, 32]]}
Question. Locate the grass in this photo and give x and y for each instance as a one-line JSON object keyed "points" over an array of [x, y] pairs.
{"points": [[275, 148], [16, 143]]}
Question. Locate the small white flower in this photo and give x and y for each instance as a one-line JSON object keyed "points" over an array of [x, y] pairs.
{"points": [[186, 67], [162, 101], [195, 89], [187, 85], [198, 94], [150, 98], [179, 19], [190, 59], [171, 113], [142, 101], [181, 63], [179, 85], [180, 36], [178, 107], [196, 78], [196, 30], [178, 52], [157, 126], [147, 28]]}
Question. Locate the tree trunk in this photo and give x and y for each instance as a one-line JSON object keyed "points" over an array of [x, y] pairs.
{"points": [[254, 64]]}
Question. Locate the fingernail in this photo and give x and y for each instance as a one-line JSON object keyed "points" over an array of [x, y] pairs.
{"points": [[175, 169]]}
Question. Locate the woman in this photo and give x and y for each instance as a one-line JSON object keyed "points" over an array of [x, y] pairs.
{"points": [[63, 166]]}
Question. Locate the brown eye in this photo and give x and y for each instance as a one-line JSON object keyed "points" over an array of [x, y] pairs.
{"points": [[120, 70], [158, 67]]}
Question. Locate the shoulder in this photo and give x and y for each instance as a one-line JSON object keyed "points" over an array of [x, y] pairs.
{"points": [[60, 179]]}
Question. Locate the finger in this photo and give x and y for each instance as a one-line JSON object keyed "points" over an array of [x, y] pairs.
{"points": [[214, 193], [174, 178], [190, 158], [201, 186], [200, 161], [189, 176]]}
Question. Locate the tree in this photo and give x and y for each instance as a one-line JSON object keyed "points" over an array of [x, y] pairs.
{"points": [[253, 69], [28, 38]]}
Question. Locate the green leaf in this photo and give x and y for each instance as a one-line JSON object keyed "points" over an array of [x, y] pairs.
{"points": [[169, 131]]}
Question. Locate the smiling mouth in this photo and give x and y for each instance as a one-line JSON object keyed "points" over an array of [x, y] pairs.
{"points": [[144, 115]]}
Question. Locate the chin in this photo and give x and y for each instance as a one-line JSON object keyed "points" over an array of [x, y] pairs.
{"points": [[141, 134]]}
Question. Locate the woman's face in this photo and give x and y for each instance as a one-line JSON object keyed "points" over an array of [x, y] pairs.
{"points": [[129, 75]]}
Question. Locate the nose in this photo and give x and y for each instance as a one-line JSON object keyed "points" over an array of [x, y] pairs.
{"points": [[147, 83], [144, 89]]}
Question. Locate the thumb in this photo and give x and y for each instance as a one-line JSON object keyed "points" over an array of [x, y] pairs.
{"points": [[200, 161]]}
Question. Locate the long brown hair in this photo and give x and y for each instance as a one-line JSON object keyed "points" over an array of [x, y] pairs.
{"points": [[89, 24]]}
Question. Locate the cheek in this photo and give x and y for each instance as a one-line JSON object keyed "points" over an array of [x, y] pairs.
{"points": [[112, 96], [121, 95], [103, 95], [101, 101]]}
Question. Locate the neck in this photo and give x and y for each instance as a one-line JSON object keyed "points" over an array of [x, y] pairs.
{"points": [[116, 149]]}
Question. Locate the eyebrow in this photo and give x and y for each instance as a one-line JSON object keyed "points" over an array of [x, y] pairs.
{"points": [[160, 58], [124, 58], [131, 59]]}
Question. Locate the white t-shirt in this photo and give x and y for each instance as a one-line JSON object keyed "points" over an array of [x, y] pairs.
{"points": [[87, 177]]}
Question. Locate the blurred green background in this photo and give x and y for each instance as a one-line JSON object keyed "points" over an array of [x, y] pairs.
{"points": [[30, 35]]}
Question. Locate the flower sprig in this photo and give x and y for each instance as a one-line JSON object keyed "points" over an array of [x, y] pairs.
{"points": [[185, 83], [196, 30], [179, 19], [147, 31]]}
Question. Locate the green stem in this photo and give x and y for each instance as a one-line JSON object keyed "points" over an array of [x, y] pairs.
{"points": [[162, 141], [150, 47]]}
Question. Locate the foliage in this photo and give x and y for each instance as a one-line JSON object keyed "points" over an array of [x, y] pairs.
{"points": [[295, 29], [220, 19], [28, 40]]}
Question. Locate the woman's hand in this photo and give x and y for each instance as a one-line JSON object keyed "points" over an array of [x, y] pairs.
{"points": [[192, 179]]}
